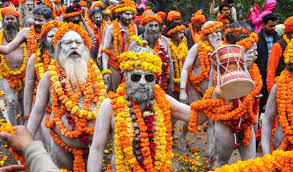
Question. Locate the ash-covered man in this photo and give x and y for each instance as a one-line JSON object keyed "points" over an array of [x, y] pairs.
{"points": [[116, 40], [74, 89], [138, 117], [42, 14], [26, 7], [196, 68], [12, 70], [152, 38], [38, 64]]}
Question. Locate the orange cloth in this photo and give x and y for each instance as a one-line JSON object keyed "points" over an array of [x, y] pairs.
{"points": [[274, 60], [162, 14], [97, 4], [82, 3], [198, 16], [288, 25], [10, 10], [173, 16]]}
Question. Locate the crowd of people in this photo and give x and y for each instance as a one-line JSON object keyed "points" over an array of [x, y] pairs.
{"points": [[81, 74]]}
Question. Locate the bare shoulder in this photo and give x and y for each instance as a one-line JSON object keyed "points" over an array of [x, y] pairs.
{"points": [[24, 32], [31, 61], [165, 39], [193, 48], [106, 109], [45, 80]]}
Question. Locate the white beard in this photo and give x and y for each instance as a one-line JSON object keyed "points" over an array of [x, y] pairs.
{"points": [[76, 71]]}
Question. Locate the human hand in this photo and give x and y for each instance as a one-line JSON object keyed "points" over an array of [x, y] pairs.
{"points": [[19, 140], [94, 41], [13, 168]]}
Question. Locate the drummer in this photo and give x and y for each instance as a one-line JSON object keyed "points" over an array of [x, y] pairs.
{"points": [[233, 119]]}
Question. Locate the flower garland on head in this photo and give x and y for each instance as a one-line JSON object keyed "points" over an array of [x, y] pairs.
{"points": [[155, 155], [127, 5], [204, 49], [150, 18], [179, 54], [248, 42], [160, 50], [288, 56], [65, 102], [15, 78], [284, 99], [65, 27], [176, 29], [119, 41], [32, 41], [199, 38], [212, 27], [244, 112]]}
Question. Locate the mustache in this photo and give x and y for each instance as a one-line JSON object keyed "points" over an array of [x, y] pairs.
{"points": [[71, 52]]}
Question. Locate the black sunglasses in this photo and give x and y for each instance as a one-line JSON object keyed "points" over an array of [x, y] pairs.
{"points": [[137, 77]]}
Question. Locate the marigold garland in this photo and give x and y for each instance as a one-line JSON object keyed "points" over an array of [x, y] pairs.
{"points": [[161, 52], [176, 29], [99, 32], [140, 60], [65, 101], [124, 134], [193, 34], [204, 49], [127, 5], [212, 27], [65, 27], [288, 56], [15, 78], [32, 41], [284, 99], [59, 13], [277, 160], [119, 41], [150, 18], [216, 110], [285, 37], [248, 42], [178, 54], [42, 61], [72, 14]]}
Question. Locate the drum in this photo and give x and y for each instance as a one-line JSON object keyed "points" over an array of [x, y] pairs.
{"points": [[233, 78]]}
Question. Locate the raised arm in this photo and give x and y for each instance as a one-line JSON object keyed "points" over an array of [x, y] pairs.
{"points": [[182, 111], [267, 124], [30, 79], [102, 130], [41, 103], [108, 37], [191, 57], [20, 38]]}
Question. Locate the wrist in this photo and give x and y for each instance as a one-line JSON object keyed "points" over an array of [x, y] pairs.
{"points": [[26, 117]]}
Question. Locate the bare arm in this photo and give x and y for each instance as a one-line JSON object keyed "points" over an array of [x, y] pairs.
{"points": [[41, 103], [102, 130], [30, 79], [107, 45], [15, 43], [182, 111], [191, 57], [269, 117]]}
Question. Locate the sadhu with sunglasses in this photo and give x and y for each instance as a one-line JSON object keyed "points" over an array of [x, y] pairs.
{"points": [[138, 116]]}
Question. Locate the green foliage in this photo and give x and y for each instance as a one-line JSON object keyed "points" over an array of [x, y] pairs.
{"points": [[283, 10]]}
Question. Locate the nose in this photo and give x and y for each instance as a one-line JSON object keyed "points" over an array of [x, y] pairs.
{"points": [[142, 81], [74, 45]]}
